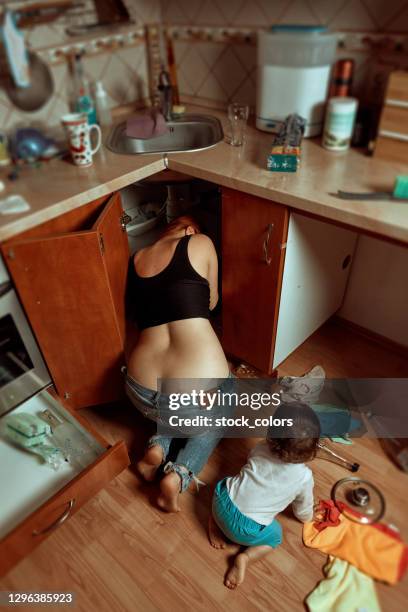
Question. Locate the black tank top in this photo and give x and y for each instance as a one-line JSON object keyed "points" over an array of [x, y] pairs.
{"points": [[177, 292]]}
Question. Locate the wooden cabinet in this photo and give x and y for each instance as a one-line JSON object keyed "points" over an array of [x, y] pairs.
{"points": [[70, 275], [253, 252], [31, 500], [284, 275]]}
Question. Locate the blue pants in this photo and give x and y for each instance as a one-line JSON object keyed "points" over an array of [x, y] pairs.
{"points": [[193, 451], [239, 528]]}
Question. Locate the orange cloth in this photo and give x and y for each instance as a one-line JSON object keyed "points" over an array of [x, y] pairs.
{"points": [[377, 550]]}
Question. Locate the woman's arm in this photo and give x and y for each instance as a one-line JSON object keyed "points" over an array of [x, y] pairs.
{"points": [[203, 258], [213, 275]]}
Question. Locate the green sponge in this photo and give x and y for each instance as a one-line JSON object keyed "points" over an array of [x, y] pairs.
{"points": [[401, 187]]}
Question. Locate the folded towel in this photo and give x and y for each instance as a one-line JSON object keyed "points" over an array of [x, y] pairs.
{"points": [[146, 126]]}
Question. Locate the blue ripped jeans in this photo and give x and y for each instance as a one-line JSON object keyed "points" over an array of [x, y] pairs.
{"points": [[188, 460]]}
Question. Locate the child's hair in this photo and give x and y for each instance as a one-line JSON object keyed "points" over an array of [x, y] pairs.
{"points": [[182, 222], [294, 443]]}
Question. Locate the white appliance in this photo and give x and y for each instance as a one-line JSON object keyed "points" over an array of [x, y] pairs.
{"points": [[22, 369], [294, 65]]}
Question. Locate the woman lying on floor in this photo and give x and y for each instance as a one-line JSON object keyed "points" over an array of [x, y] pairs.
{"points": [[173, 287]]}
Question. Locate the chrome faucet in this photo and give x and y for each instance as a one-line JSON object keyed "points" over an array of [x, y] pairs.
{"points": [[166, 95]]}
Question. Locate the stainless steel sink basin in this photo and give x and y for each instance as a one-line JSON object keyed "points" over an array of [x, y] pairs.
{"points": [[188, 133]]}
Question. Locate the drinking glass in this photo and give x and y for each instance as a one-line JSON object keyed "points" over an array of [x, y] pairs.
{"points": [[238, 116]]}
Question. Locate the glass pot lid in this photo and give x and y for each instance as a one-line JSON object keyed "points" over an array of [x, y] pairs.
{"points": [[359, 500]]}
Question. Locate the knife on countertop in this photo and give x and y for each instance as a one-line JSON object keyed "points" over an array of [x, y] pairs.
{"points": [[377, 196]]}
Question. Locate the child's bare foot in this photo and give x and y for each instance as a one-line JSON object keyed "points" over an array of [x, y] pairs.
{"points": [[148, 466], [215, 535], [169, 493], [236, 574]]}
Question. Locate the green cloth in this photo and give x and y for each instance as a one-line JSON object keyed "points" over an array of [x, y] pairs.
{"points": [[344, 589]]}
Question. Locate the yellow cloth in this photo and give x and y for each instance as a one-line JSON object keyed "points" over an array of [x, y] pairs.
{"points": [[375, 549], [344, 589]]}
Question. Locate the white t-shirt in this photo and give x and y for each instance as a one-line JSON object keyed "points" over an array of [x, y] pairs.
{"points": [[266, 485]]}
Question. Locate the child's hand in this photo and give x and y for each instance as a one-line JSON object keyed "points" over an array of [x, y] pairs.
{"points": [[318, 513]]}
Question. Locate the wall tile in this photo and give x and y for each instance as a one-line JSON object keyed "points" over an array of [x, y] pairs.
{"points": [[354, 16], [246, 55], [250, 14], [210, 52], [344, 14], [272, 10], [246, 92], [172, 13], [229, 71], [231, 11], [194, 68], [383, 12], [399, 23], [212, 89], [300, 12], [209, 14], [325, 11]]}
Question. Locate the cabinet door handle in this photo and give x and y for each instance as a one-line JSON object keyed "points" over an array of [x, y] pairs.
{"points": [[57, 523], [267, 259]]}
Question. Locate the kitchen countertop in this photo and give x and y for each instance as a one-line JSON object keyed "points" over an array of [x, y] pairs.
{"points": [[59, 186]]}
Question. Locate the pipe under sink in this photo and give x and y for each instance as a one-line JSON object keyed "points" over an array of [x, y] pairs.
{"points": [[187, 133]]}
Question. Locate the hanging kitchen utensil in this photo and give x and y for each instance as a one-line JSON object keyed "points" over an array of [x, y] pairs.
{"points": [[353, 467], [15, 50], [38, 92], [359, 500]]}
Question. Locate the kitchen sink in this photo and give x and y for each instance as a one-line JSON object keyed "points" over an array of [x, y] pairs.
{"points": [[187, 133]]}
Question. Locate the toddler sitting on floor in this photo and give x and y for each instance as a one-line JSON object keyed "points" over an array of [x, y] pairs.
{"points": [[245, 506]]}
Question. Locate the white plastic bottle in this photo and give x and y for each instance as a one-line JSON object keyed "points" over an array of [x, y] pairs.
{"points": [[103, 112], [339, 123]]}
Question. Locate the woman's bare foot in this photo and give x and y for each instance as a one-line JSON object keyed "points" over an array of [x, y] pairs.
{"points": [[152, 460], [169, 493], [215, 535], [236, 574]]}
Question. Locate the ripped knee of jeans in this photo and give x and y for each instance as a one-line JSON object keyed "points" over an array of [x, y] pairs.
{"points": [[185, 475], [158, 441]]}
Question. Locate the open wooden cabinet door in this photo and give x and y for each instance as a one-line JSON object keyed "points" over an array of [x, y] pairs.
{"points": [[72, 285]]}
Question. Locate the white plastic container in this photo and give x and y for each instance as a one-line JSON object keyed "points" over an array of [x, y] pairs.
{"points": [[294, 64], [103, 112], [339, 123]]}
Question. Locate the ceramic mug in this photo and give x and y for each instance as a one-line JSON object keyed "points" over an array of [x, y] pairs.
{"points": [[78, 133]]}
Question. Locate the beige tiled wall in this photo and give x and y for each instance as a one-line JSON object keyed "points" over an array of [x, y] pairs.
{"points": [[122, 71], [371, 15], [216, 73], [211, 72]]}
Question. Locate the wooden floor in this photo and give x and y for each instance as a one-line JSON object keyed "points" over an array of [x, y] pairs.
{"points": [[120, 553]]}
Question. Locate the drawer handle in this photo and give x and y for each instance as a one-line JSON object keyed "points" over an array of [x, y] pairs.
{"points": [[267, 259], [64, 516]]}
